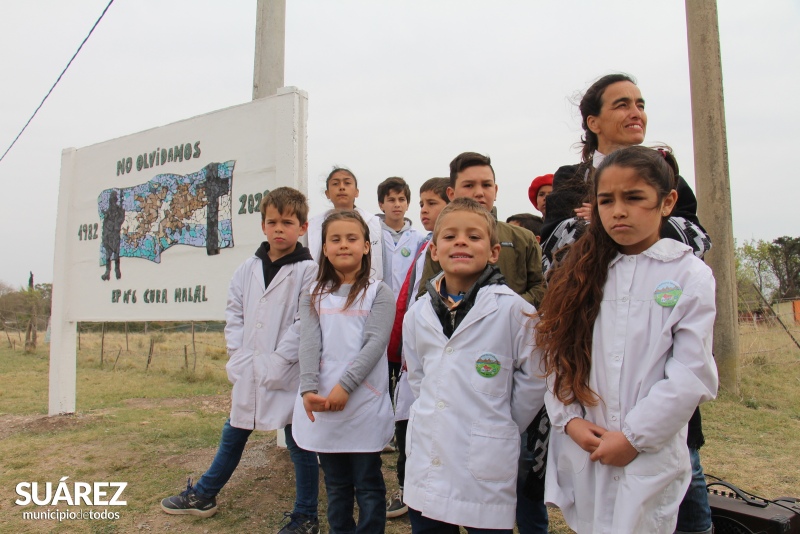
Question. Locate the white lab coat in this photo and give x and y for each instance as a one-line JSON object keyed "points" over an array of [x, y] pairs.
{"points": [[398, 257], [403, 398], [375, 233], [652, 365], [366, 423], [263, 336], [464, 429]]}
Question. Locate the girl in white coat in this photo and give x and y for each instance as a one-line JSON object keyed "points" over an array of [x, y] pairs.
{"points": [[344, 411], [626, 329]]}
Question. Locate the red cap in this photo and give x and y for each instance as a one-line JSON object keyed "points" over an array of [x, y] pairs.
{"points": [[536, 184]]}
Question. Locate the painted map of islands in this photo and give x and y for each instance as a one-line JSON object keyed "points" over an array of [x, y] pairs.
{"points": [[144, 220]]}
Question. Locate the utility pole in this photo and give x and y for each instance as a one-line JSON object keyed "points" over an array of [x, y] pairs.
{"points": [[712, 179], [270, 47]]}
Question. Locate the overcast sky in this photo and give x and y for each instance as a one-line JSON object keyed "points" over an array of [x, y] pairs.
{"points": [[395, 88]]}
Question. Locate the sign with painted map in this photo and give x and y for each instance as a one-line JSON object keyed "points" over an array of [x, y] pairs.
{"points": [[151, 226], [144, 220]]}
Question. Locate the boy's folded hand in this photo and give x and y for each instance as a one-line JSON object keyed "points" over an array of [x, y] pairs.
{"points": [[586, 434], [313, 402], [337, 399]]}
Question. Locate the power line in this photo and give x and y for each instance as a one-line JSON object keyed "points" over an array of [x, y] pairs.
{"points": [[58, 80]]}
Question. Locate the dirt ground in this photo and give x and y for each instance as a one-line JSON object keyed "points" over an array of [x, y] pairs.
{"points": [[259, 492], [261, 487]]}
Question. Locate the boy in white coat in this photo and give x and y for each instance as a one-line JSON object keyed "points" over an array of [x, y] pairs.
{"points": [[473, 368], [400, 245], [262, 335]]}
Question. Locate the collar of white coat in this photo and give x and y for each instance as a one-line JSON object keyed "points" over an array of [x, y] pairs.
{"points": [[597, 158], [664, 249], [480, 309]]}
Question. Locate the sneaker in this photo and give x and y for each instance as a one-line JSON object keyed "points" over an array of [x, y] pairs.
{"points": [[395, 507], [189, 503], [299, 524]]}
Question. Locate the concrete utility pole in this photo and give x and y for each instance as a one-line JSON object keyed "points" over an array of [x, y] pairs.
{"points": [[712, 179], [270, 47]]}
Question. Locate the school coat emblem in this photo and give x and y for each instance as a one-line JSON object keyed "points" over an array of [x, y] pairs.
{"points": [[487, 365], [405, 251], [667, 293]]}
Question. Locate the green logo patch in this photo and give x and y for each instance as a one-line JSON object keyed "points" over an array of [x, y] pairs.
{"points": [[487, 365], [667, 293], [405, 252]]}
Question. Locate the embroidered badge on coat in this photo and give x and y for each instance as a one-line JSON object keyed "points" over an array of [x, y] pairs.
{"points": [[487, 365], [667, 293], [405, 252]]}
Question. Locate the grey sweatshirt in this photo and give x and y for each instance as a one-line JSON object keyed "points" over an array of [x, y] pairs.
{"points": [[377, 330]]}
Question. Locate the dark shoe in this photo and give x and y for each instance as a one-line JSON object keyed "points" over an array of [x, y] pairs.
{"points": [[395, 507], [189, 503], [299, 524]]}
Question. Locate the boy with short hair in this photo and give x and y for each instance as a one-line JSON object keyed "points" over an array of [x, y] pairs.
{"points": [[473, 333], [400, 241], [262, 337], [432, 200], [529, 221], [520, 260]]}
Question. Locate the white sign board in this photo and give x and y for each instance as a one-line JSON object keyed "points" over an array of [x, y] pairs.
{"points": [[152, 225]]}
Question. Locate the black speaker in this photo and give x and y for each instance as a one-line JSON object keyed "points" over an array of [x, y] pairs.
{"points": [[734, 511]]}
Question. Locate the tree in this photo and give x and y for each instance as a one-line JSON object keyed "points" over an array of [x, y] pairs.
{"points": [[5, 289], [25, 308], [784, 260], [45, 295], [753, 268]]}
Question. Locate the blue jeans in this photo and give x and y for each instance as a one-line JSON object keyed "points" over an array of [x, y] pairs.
{"points": [[425, 525], [349, 475], [694, 514], [306, 476], [531, 515], [229, 453], [231, 446]]}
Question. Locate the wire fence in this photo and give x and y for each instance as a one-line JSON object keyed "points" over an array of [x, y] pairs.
{"points": [[765, 329], [194, 347]]}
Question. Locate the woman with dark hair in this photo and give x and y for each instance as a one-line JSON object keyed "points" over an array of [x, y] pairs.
{"points": [[613, 117]]}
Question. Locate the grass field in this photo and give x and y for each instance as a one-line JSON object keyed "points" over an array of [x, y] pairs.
{"points": [[155, 428]]}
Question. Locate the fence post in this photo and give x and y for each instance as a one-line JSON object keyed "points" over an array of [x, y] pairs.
{"points": [[150, 354], [186, 357], [19, 332], [7, 336], [117, 359], [102, 343], [194, 347]]}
